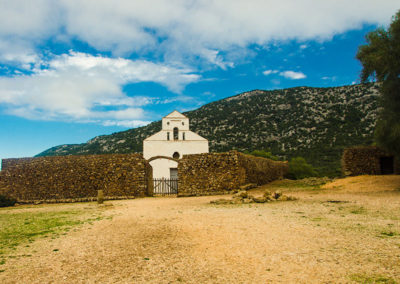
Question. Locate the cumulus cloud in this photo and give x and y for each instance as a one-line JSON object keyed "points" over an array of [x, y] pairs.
{"points": [[18, 53], [83, 87], [24, 25], [188, 28], [293, 75], [125, 70]]}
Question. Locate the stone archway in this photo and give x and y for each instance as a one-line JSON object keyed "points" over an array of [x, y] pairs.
{"points": [[161, 157], [162, 166], [165, 175]]}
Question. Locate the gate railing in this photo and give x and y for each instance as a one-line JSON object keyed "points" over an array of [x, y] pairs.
{"points": [[163, 186]]}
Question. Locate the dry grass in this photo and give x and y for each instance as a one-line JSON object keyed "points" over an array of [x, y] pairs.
{"points": [[337, 234], [366, 184]]}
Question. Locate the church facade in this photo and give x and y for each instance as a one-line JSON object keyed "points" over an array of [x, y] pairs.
{"points": [[165, 147]]}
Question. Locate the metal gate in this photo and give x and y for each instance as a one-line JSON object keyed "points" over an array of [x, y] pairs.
{"points": [[163, 186]]}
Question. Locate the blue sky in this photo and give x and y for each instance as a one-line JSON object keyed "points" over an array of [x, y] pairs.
{"points": [[71, 70]]}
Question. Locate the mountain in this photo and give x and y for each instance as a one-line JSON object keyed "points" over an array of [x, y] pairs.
{"points": [[315, 123]]}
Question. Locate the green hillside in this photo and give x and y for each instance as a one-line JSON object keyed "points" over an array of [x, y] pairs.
{"points": [[315, 123]]}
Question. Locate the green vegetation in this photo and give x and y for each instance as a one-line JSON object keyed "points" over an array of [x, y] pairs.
{"points": [[372, 279], [389, 234], [358, 210], [264, 154], [300, 169], [23, 227], [380, 60], [314, 123], [6, 201]]}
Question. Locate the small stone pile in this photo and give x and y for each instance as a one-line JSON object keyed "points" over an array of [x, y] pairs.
{"points": [[242, 197]]}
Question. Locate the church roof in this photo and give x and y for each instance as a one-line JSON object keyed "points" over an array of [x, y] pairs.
{"points": [[175, 114]]}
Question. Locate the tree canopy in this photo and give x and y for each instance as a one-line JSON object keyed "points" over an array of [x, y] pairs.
{"points": [[299, 169], [380, 59]]}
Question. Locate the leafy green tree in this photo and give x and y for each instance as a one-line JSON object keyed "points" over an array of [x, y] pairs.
{"points": [[380, 59], [299, 169]]}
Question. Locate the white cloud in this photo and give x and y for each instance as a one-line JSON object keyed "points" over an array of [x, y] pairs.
{"points": [[23, 25], [82, 87], [327, 78], [78, 86], [213, 57], [269, 72], [125, 123], [293, 75], [121, 115], [176, 28], [18, 53], [125, 70]]}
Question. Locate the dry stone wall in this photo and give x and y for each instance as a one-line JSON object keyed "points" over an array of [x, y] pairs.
{"points": [[9, 163], [219, 173], [76, 178], [260, 170], [365, 160]]}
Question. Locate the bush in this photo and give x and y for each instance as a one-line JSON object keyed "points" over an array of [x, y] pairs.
{"points": [[264, 154], [299, 169], [6, 201]]}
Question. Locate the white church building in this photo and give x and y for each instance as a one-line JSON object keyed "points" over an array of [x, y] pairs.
{"points": [[165, 147]]}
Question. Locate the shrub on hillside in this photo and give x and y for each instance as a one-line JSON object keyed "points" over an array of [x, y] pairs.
{"points": [[299, 169], [264, 154], [6, 201]]}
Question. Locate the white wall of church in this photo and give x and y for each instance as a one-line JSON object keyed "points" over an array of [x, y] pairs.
{"points": [[161, 167], [171, 123], [168, 148]]}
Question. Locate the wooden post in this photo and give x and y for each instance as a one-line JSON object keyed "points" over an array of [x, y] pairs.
{"points": [[100, 197]]}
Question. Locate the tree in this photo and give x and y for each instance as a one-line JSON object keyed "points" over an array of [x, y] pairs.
{"points": [[299, 169], [380, 59]]}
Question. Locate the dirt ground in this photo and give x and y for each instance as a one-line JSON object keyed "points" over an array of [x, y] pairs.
{"points": [[347, 232]]}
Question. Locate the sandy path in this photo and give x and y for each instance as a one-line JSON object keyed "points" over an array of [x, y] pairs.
{"points": [[188, 240]]}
